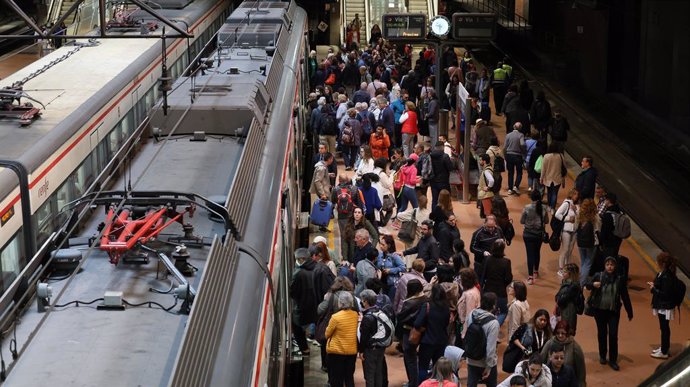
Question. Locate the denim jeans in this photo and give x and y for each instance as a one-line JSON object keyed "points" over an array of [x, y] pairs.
{"points": [[408, 196], [552, 195], [350, 155], [586, 259], [533, 249], [407, 143], [514, 167], [502, 307]]}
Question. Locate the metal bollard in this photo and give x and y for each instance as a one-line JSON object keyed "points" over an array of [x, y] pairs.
{"points": [[443, 116]]}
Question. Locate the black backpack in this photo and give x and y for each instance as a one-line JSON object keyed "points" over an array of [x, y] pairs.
{"points": [[475, 338], [678, 290], [499, 163], [328, 125]]}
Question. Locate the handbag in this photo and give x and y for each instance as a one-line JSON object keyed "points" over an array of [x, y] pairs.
{"points": [[408, 229], [589, 306], [388, 203], [416, 334], [555, 242]]}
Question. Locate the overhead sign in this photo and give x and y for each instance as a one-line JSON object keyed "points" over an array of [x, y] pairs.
{"points": [[474, 26], [403, 26]]}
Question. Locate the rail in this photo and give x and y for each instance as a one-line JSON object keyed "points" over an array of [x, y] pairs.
{"points": [[368, 25]]}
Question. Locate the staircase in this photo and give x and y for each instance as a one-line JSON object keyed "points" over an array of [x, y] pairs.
{"points": [[422, 6], [352, 7]]}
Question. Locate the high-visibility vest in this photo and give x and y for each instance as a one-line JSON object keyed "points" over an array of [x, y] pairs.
{"points": [[509, 69], [500, 75]]}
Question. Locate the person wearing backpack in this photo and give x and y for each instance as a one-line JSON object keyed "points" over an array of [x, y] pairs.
{"points": [[480, 343], [569, 300], [375, 335], [432, 318], [327, 126], [610, 237], [350, 139], [345, 197], [668, 293]]}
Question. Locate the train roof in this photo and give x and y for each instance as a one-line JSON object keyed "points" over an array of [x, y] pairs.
{"points": [[77, 81]]}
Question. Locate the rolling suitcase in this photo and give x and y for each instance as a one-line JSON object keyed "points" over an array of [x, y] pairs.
{"points": [[321, 213]]}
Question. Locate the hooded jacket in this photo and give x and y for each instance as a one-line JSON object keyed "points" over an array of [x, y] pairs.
{"points": [[574, 357], [491, 332]]}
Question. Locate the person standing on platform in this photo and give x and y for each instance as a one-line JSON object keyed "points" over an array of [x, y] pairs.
{"points": [[486, 184], [569, 298], [567, 213], [433, 317], [610, 242], [341, 347], [498, 274], [499, 82], [534, 218], [441, 165], [432, 114], [426, 249], [401, 293], [552, 176], [406, 315], [586, 180], [559, 128], [366, 269], [303, 294], [483, 87], [515, 150], [398, 107], [573, 356], [562, 375], [587, 228], [609, 293], [484, 370], [482, 242], [662, 300], [409, 127], [321, 181], [372, 349]]}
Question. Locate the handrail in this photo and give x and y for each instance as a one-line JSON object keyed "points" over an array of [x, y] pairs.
{"points": [[54, 17], [367, 27], [431, 8], [343, 17]]}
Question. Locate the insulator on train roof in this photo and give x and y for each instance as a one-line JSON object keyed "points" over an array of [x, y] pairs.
{"points": [[165, 84]]}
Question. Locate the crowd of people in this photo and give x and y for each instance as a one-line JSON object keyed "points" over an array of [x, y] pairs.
{"points": [[377, 108]]}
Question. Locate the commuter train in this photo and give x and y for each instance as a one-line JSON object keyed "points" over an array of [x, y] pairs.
{"points": [[211, 182], [95, 95]]}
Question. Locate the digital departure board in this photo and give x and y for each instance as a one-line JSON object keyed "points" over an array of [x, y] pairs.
{"points": [[404, 26], [474, 25]]}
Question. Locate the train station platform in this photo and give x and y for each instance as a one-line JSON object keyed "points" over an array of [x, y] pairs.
{"points": [[637, 338]]}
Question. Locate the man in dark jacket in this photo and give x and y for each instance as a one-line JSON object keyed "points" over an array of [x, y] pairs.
{"points": [[610, 243], [323, 276], [362, 246], [304, 296], [482, 242], [426, 249], [372, 348], [442, 166], [587, 179], [447, 232], [361, 95]]}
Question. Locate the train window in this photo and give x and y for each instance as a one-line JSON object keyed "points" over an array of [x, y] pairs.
{"points": [[44, 225], [84, 176], [11, 261]]}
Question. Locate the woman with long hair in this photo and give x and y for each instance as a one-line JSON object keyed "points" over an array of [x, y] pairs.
{"points": [[390, 263], [409, 180], [434, 316], [442, 375], [535, 372], [498, 274], [366, 163], [662, 300], [528, 339], [326, 257], [443, 209], [534, 218], [587, 226], [518, 308]]}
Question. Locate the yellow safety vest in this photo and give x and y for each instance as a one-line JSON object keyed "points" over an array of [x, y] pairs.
{"points": [[508, 69], [500, 75]]}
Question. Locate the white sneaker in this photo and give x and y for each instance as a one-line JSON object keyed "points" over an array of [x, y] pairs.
{"points": [[516, 190], [658, 350], [659, 355], [529, 189], [510, 192]]}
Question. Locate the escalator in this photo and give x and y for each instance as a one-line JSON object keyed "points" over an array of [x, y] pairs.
{"points": [[672, 373]]}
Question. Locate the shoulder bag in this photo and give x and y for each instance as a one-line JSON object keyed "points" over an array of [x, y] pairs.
{"points": [[408, 229], [416, 334]]}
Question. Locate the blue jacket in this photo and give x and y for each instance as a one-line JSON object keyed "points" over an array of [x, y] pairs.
{"points": [[398, 107], [394, 263], [436, 323], [372, 200]]}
